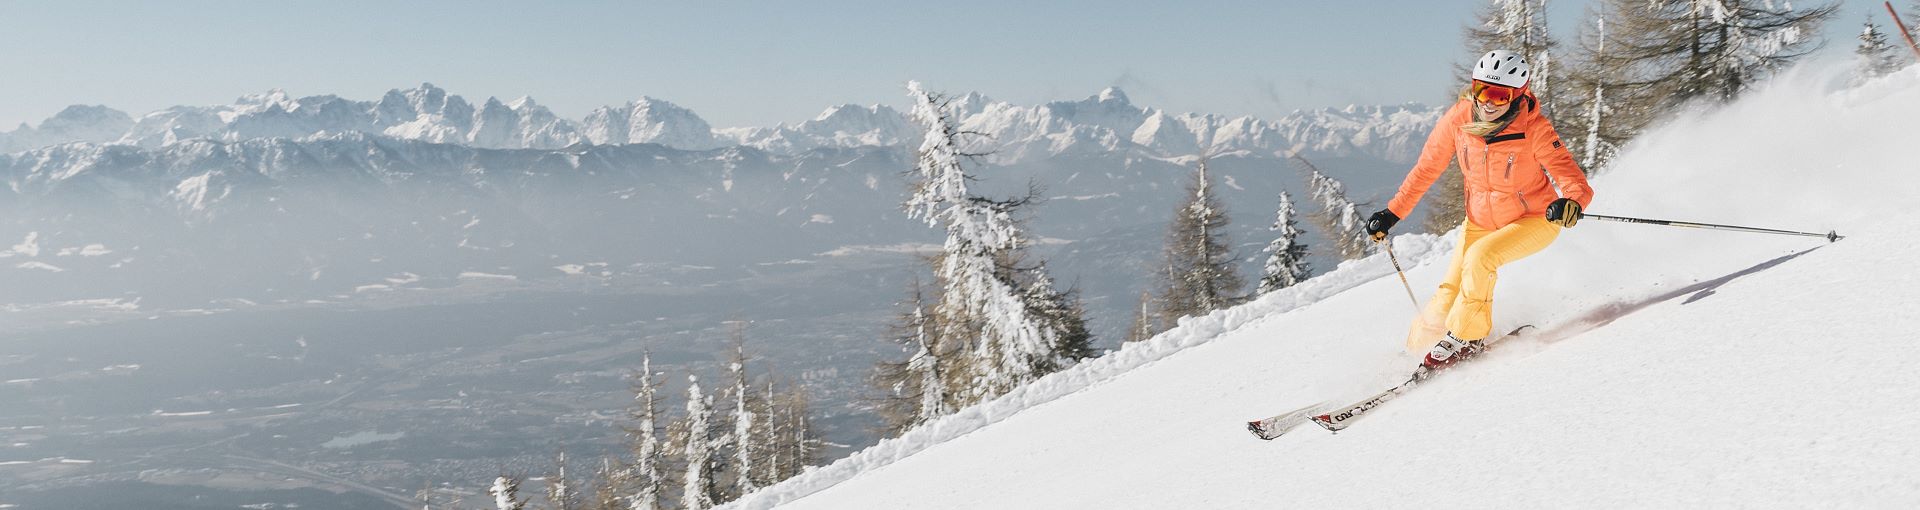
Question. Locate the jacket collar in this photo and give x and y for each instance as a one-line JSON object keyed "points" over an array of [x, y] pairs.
{"points": [[1526, 105]]}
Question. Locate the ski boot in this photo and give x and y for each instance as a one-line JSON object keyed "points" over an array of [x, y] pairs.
{"points": [[1450, 350]]}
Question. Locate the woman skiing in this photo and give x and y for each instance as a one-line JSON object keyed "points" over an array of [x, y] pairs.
{"points": [[1513, 161]]}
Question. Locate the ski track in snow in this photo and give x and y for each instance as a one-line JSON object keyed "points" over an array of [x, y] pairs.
{"points": [[1674, 367]]}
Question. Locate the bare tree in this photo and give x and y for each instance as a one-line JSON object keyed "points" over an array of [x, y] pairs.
{"points": [[1144, 327], [1201, 276], [613, 480], [800, 443], [1675, 51], [1603, 118]]}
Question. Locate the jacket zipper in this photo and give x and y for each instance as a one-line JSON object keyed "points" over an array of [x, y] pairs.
{"points": [[1523, 200], [1486, 164], [1510, 166]]}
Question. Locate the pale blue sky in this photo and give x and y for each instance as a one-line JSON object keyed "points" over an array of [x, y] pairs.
{"points": [[742, 63]]}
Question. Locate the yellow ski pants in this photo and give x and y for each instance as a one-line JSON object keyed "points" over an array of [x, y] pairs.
{"points": [[1464, 302]]}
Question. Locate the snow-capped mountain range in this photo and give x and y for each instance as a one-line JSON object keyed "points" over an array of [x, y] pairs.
{"points": [[276, 197], [1102, 123]]}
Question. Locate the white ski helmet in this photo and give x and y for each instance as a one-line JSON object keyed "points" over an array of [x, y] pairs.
{"points": [[1502, 67]]}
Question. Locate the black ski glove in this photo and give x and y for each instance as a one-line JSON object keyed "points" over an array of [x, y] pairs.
{"points": [[1380, 223], [1563, 212]]}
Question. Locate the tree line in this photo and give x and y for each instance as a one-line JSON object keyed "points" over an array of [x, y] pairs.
{"points": [[749, 433]]}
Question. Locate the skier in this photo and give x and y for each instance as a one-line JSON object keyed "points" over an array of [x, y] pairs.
{"points": [[1512, 160]]}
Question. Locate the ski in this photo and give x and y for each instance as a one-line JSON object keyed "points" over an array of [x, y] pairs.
{"points": [[1273, 427], [1339, 419], [1336, 419]]}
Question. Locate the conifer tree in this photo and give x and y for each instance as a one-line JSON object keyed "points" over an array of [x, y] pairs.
{"points": [[1201, 276], [1062, 312], [745, 450], [916, 390], [984, 299], [1338, 218], [1287, 262], [643, 440], [699, 489], [506, 493], [1913, 19], [561, 494], [1876, 56]]}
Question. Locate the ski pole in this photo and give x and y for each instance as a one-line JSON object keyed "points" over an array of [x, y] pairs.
{"points": [[1396, 268], [1830, 235]]}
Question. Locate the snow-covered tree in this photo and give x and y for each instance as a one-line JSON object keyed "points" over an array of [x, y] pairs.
{"points": [[1201, 275], [643, 439], [982, 288], [561, 494], [1913, 18], [1876, 56], [1287, 260], [745, 451], [699, 489], [506, 493], [1062, 312], [924, 367], [916, 390], [1338, 218]]}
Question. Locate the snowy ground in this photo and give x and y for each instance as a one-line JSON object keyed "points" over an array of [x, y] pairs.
{"points": [[1674, 367]]}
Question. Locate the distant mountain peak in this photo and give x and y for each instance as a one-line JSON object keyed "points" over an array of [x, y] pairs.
{"points": [[1105, 121]]}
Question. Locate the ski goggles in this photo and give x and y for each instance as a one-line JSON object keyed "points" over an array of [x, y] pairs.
{"points": [[1495, 95]]}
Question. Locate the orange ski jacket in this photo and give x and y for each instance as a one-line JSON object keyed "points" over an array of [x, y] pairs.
{"points": [[1510, 174]]}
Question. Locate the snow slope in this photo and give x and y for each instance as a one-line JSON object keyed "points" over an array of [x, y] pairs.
{"points": [[1674, 367]]}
